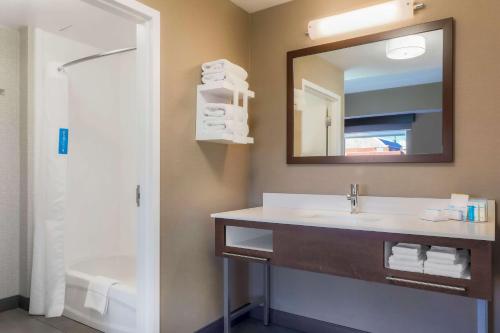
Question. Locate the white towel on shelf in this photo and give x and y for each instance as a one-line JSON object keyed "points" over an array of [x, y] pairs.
{"points": [[97, 293], [408, 249], [457, 268], [228, 77], [409, 257], [225, 111], [224, 65], [415, 262], [458, 275], [229, 126], [406, 268], [446, 253], [461, 258]]}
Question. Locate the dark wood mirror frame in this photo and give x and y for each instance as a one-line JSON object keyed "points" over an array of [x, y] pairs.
{"points": [[447, 25]]}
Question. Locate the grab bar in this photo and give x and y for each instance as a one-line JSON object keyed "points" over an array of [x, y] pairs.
{"points": [[426, 284]]}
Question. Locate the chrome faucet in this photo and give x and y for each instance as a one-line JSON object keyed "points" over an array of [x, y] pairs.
{"points": [[353, 198]]}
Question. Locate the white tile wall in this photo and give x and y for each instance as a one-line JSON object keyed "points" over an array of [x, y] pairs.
{"points": [[10, 163]]}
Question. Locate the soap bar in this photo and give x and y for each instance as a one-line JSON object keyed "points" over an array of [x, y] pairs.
{"points": [[434, 215]]}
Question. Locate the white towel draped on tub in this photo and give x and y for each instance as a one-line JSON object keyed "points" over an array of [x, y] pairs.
{"points": [[48, 270], [97, 293], [224, 66]]}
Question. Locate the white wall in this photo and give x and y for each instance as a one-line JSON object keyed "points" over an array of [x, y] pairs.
{"points": [[100, 199], [10, 162]]}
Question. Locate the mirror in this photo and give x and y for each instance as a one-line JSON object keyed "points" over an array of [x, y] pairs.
{"points": [[381, 98]]}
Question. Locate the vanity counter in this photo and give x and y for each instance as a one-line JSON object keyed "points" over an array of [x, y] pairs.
{"points": [[375, 222]]}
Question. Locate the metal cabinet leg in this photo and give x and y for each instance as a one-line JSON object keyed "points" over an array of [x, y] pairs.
{"points": [[482, 315], [267, 293], [227, 296]]}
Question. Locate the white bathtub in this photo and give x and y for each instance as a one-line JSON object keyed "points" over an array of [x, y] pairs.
{"points": [[121, 314]]}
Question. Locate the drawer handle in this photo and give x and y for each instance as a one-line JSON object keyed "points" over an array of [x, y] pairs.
{"points": [[243, 256], [427, 284]]}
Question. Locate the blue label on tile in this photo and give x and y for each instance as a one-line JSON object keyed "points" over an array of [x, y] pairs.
{"points": [[63, 141]]}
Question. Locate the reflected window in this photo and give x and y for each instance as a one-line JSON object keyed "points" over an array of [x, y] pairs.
{"points": [[376, 143]]}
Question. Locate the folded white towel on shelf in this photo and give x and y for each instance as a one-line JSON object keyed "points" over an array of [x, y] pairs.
{"points": [[446, 253], [228, 77], [230, 126], [224, 65], [225, 111], [406, 268], [416, 262], [461, 258], [409, 257], [407, 249], [457, 268], [459, 275], [97, 293]]}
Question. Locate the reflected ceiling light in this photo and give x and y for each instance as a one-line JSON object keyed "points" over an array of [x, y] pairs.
{"points": [[383, 13], [406, 47]]}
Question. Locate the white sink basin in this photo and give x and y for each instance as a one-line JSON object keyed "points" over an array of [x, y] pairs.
{"points": [[342, 217]]}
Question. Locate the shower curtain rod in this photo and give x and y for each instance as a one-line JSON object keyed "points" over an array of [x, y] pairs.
{"points": [[95, 56]]}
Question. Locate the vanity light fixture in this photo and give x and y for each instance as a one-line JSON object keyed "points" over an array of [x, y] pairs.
{"points": [[406, 47], [383, 13]]}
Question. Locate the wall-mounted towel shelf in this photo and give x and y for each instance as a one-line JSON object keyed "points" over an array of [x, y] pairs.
{"points": [[220, 92]]}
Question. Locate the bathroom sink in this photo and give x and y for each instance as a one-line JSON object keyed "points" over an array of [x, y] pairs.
{"points": [[339, 217]]}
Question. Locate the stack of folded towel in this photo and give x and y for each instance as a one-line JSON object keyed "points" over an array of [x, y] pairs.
{"points": [[407, 257], [225, 118], [224, 70], [447, 261]]}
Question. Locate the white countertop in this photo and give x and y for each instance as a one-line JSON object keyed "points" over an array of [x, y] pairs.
{"points": [[377, 222]]}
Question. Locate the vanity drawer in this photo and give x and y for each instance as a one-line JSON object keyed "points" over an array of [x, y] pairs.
{"points": [[354, 254]]}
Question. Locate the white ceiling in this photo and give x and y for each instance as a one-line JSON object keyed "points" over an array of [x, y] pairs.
{"points": [[253, 6], [83, 22], [366, 67]]}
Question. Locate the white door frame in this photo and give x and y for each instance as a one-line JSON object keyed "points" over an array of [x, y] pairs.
{"points": [[336, 104], [148, 103]]}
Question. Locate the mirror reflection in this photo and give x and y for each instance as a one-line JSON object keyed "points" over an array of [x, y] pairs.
{"points": [[382, 98]]}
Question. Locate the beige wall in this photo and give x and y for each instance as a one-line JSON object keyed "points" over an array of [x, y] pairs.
{"points": [[477, 162], [196, 178], [318, 71]]}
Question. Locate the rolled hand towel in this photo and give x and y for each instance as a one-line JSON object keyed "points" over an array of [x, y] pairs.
{"points": [[225, 111], [230, 126], [224, 66], [232, 79]]}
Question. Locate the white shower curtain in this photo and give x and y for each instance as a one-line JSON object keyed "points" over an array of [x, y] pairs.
{"points": [[48, 273]]}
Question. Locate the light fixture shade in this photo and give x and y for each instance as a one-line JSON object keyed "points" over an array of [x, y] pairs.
{"points": [[406, 47], [384, 13]]}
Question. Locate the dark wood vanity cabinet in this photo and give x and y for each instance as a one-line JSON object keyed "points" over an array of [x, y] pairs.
{"points": [[360, 255]]}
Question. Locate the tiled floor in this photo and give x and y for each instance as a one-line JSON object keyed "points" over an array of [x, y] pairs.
{"points": [[255, 326], [18, 321]]}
